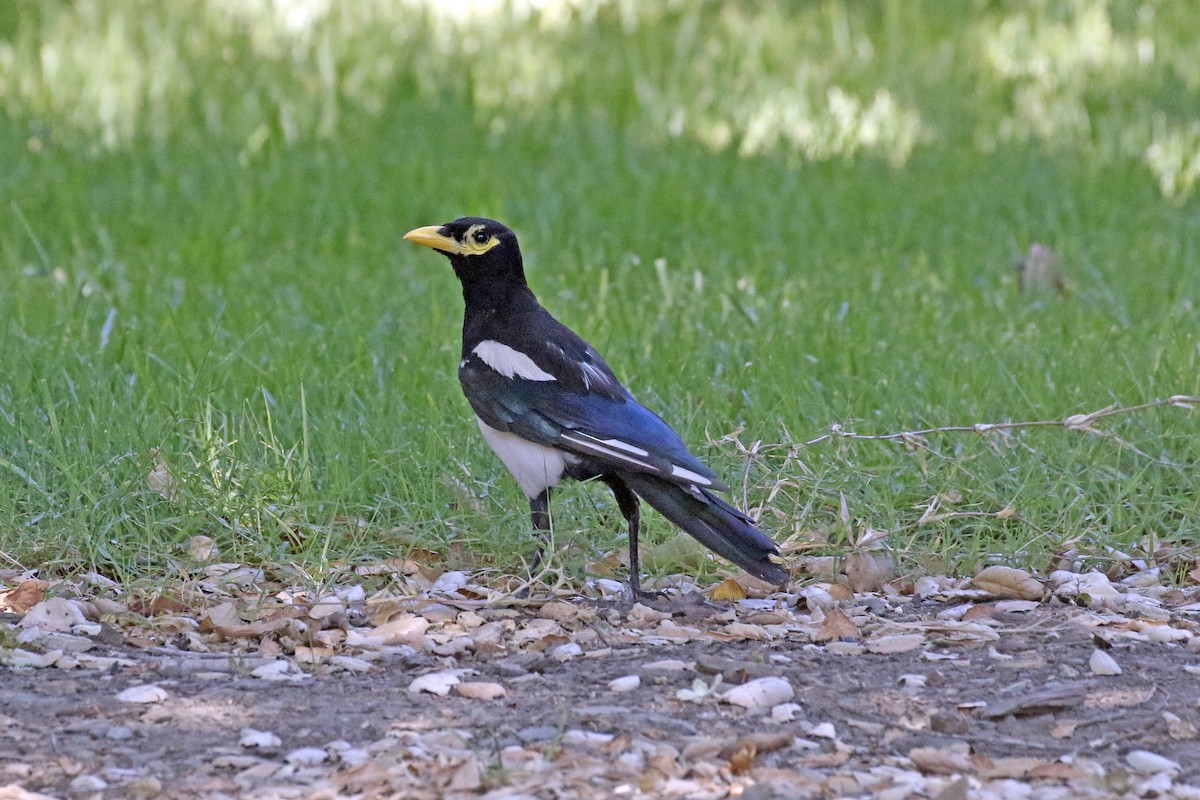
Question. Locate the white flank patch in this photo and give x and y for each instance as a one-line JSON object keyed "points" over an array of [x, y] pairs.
{"points": [[509, 362], [535, 466]]}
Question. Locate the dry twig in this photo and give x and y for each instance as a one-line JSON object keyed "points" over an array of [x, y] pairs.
{"points": [[1075, 422]]}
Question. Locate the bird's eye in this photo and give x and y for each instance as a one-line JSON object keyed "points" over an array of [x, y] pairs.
{"points": [[480, 237]]}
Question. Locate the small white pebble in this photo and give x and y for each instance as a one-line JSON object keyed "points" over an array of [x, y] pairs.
{"points": [[1148, 763], [438, 683], [626, 683], [54, 614], [825, 730], [760, 693], [354, 757], [257, 738], [785, 712], [147, 693], [565, 652], [306, 757], [350, 663], [276, 670], [587, 738], [1157, 785], [89, 783], [449, 582], [1101, 663]]}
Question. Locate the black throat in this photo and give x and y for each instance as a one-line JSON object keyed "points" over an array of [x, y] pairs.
{"points": [[496, 287], [492, 291]]}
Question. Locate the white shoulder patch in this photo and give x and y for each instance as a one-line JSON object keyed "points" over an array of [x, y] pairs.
{"points": [[509, 362]]}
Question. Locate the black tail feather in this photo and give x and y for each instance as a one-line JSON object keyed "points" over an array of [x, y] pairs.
{"points": [[714, 523]]}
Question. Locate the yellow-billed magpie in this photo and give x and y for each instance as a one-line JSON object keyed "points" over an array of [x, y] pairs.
{"points": [[549, 407]]}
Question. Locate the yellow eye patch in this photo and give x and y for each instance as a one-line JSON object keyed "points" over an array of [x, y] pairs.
{"points": [[470, 247]]}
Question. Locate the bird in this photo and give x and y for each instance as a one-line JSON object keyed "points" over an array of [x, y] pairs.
{"points": [[550, 407]]}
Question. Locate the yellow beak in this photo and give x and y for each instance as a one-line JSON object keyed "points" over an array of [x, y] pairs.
{"points": [[429, 237]]}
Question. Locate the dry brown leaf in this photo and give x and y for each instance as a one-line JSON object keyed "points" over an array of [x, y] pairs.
{"points": [[27, 595], [203, 549], [1064, 729], [741, 630], [867, 572], [822, 567], [788, 782], [835, 758], [836, 626], [1016, 767], [466, 776], [1178, 728], [1009, 583], [941, 760], [558, 610], [757, 743], [224, 620], [838, 591], [899, 643], [702, 749], [645, 615], [404, 630], [1118, 697], [160, 478], [312, 655], [774, 617], [729, 589], [982, 611], [480, 690], [1058, 771], [606, 567], [157, 606], [742, 757]]}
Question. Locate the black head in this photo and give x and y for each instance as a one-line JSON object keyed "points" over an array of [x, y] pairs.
{"points": [[486, 259], [470, 242]]}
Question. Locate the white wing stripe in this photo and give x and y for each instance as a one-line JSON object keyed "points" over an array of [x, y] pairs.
{"points": [[613, 448], [509, 362], [688, 475], [626, 446], [597, 448]]}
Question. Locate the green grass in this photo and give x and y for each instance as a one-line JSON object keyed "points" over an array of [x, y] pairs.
{"points": [[238, 298]]}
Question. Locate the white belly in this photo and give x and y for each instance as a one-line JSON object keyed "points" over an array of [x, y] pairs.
{"points": [[535, 466]]}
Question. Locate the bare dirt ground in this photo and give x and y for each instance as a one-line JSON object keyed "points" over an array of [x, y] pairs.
{"points": [[942, 697]]}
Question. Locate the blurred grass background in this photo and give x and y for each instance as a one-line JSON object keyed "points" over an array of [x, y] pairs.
{"points": [[772, 219]]}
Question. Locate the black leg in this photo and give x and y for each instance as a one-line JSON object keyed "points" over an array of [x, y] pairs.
{"points": [[539, 512], [631, 509]]}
